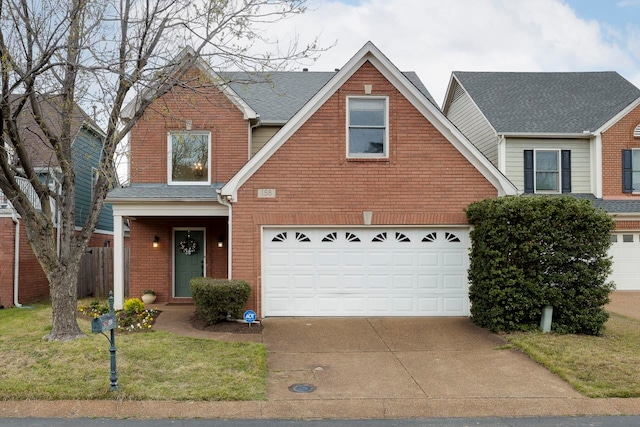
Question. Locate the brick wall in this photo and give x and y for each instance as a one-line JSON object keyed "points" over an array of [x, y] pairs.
{"points": [[32, 282], [424, 181], [6, 261], [617, 138], [627, 225], [101, 240], [34, 285], [209, 110]]}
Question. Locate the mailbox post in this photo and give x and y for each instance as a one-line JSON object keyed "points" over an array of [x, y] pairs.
{"points": [[101, 324]]}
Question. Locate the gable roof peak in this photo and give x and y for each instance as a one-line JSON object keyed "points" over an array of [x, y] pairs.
{"points": [[370, 53], [186, 59]]}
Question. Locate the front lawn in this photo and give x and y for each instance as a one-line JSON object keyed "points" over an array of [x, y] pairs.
{"points": [[151, 366], [605, 366]]}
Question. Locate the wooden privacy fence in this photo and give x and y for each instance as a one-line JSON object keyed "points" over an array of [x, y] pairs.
{"points": [[96, 273]]}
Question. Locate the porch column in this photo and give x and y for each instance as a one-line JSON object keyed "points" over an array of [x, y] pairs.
{"points": [[118, 262]]}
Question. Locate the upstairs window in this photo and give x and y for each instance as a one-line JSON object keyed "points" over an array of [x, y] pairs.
{"points": [[547, 171], [631, 171], [368, 131], [189, 157]]}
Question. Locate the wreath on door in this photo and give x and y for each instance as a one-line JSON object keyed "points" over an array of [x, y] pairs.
{"points": [[188, 246]]}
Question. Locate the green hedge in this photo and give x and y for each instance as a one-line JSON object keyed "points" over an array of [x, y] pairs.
{"points": [[528, 252], [216, 299]]}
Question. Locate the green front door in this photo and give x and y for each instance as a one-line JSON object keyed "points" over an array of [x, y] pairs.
{"points": [[189, 259]]}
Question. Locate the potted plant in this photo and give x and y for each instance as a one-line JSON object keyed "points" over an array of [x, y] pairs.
{"points": [[148, 296]]}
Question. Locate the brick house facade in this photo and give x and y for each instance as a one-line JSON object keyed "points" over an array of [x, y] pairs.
{"points": [[414, 189], [619, 136], [425, 180]]}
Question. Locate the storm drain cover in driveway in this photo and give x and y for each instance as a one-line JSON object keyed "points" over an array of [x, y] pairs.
{"points": [[302, 388]]}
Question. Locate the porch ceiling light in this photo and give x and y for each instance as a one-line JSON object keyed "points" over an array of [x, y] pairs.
{"points": [[155, 241]]}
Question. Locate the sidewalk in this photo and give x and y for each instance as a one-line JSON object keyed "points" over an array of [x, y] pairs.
{"points": [[535, 391]]}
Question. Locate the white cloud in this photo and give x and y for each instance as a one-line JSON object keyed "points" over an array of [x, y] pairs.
{"points": [[434, 38]]}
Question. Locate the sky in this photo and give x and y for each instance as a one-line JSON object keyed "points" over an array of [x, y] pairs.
{"points": [[436, 37]]}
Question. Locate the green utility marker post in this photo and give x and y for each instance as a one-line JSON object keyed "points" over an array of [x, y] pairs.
{"points": [[108, 322]]}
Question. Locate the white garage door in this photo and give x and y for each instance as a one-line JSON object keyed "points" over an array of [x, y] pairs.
{"points": [[625, 250], [365, 272]]}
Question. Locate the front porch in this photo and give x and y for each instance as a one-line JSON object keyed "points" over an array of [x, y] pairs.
{"points": [[166, 252], [176, 233]]}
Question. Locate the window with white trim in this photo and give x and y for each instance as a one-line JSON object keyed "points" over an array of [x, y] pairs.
{"points": [[188, 157], [547, 171], [367, 135]]}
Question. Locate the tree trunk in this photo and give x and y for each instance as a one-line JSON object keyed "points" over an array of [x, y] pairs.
{"points": [[64, 296]]}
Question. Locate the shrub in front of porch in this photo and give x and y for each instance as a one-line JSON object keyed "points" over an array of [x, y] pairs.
{"points": [[219, 299]]}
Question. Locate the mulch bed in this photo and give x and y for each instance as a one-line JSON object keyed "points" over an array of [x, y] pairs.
{"points": [[228, 327]]}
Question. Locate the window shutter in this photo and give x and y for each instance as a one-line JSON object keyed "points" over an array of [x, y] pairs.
{"points": [[528, 171], [566, 171], [627, 182]]}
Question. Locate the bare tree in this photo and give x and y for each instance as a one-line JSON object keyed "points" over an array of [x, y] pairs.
{"points": [[58, 56]]}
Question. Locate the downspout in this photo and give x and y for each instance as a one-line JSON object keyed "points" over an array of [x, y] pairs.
{"points": [[16, 260], [225, 202]]}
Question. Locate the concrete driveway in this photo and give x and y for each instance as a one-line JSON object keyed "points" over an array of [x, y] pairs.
{"points": [[392, 368], [395, 358]]}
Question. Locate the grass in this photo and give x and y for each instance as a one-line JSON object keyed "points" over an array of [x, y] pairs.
{"points": [[606, 366], [151, 365]]}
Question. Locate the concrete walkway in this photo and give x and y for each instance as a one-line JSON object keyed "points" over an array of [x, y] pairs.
{"points": [[372, 368]]}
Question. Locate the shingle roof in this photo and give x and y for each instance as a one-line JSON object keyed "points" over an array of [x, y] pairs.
{"points": [[277, 96], [164, 192], [571, 102], [611, 206], [39, 149]]}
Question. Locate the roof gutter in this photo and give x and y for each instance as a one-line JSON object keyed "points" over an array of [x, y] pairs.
{"points": [[157, 200], [573, 135], [626, 216]]}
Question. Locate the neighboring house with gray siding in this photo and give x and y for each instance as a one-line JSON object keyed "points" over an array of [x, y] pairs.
{"points": [[519, 118], [555, 133]]}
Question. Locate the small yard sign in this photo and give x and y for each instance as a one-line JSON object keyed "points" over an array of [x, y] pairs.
{"points": [[249, 316]]}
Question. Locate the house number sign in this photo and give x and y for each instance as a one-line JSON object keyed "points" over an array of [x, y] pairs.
{"points": [[266, 193]]}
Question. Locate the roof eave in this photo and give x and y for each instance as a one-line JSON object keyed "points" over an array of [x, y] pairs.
{"points": [[566, 135], [618, 116], [627, 216], [448, 94], [125, 200]]}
